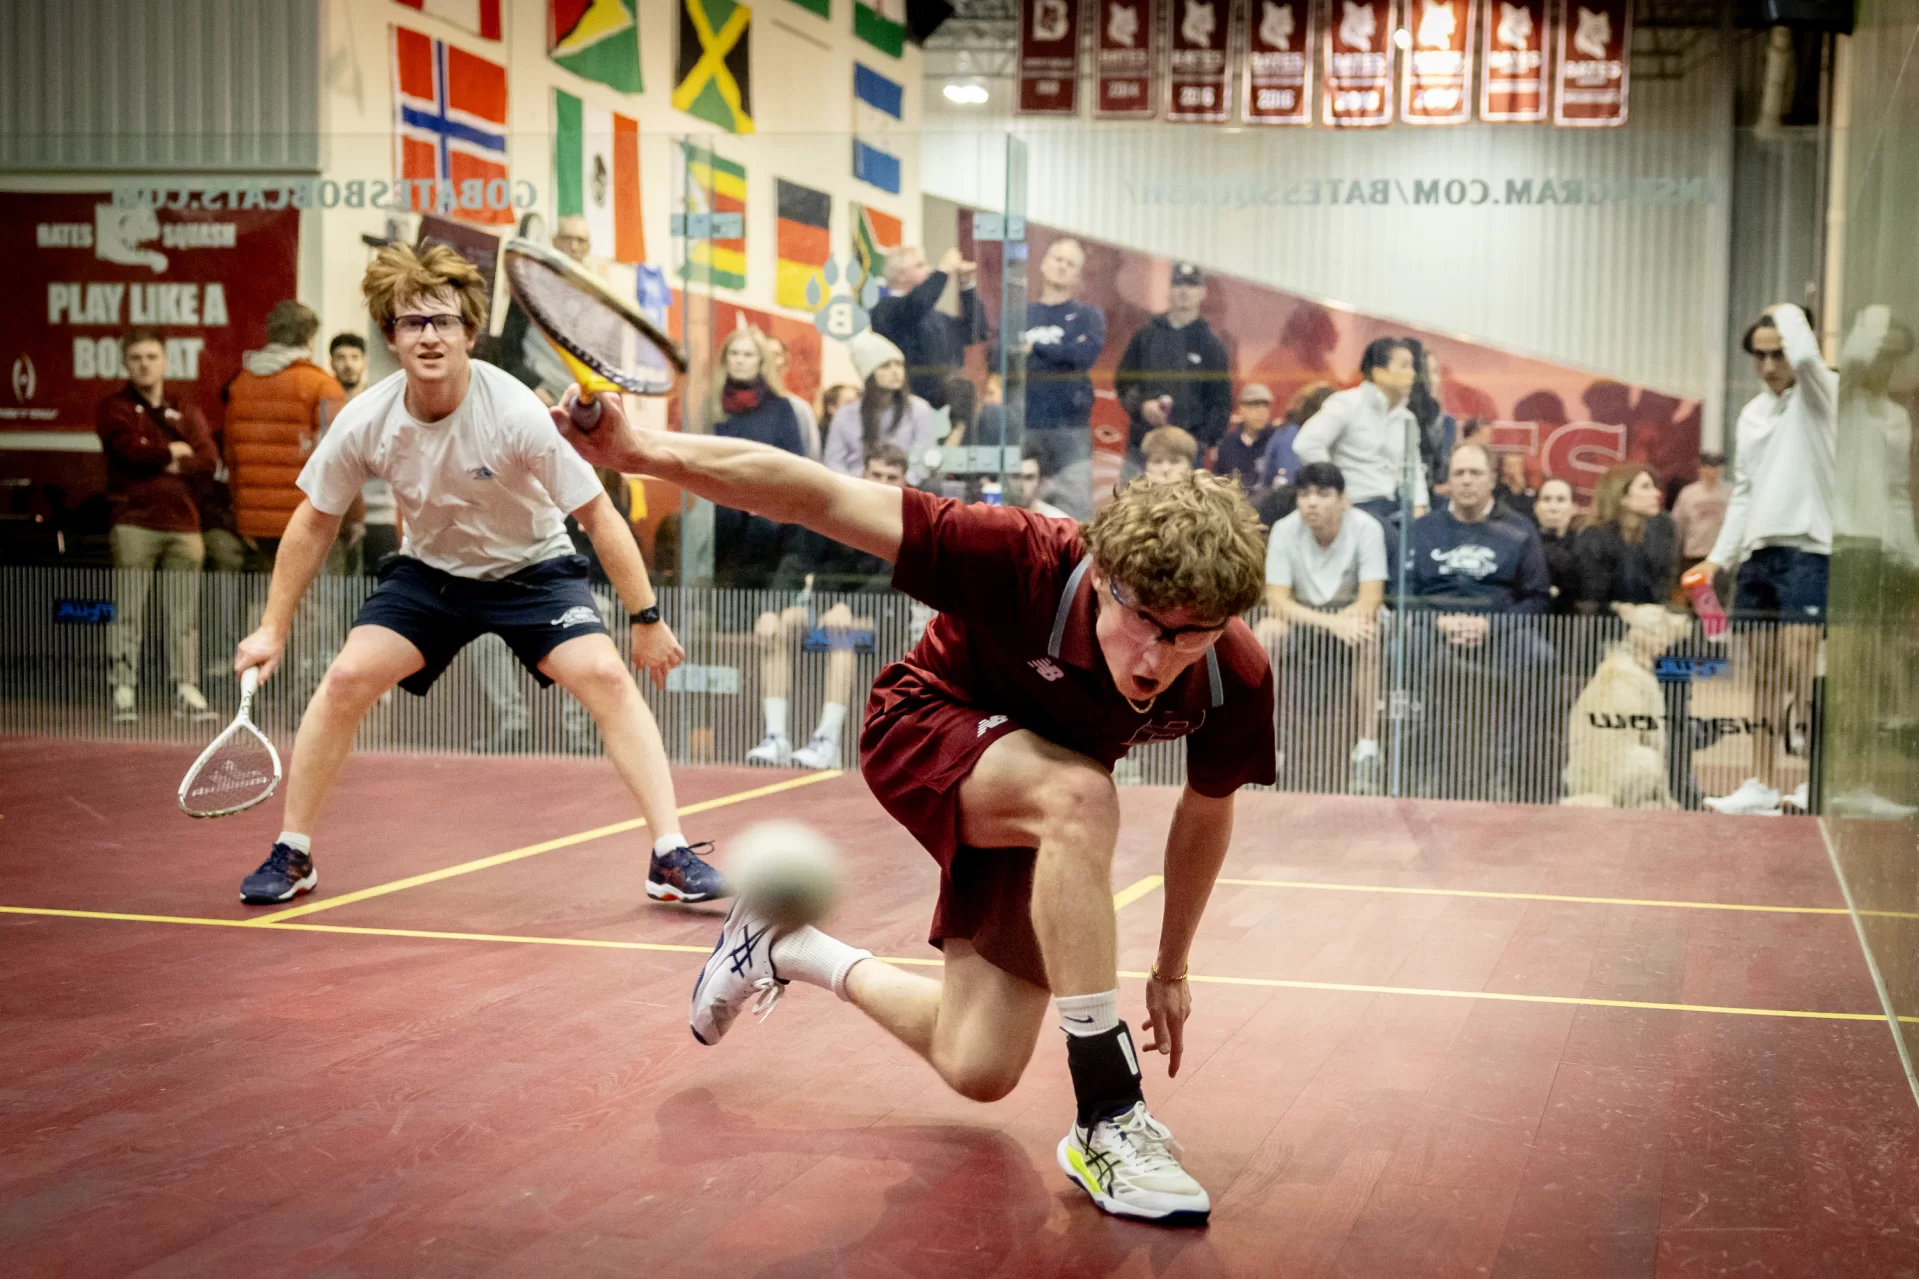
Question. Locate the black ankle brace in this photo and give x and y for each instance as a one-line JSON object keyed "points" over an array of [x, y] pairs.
{"points": [[1105, 1074]]}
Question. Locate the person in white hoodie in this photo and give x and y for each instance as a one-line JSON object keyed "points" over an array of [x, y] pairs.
{"points": [[1363, 431], [1777, 534]]}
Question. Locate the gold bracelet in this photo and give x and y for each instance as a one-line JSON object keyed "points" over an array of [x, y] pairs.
{"points": [[1181, 977]]}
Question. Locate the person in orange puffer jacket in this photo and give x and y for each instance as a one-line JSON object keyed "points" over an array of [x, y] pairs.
{"points": [[276, 410]]}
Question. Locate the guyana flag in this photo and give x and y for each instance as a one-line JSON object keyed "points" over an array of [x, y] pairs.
{"points": [[875, 234], [804, 243], [713, 78], [597, 39], [715, 185]]}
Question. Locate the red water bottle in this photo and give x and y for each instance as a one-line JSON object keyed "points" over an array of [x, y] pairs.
{"points": [[1705, 601]]}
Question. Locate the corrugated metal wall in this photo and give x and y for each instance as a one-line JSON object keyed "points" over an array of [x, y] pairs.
{"points": [[159, 84], [1626, 289]]}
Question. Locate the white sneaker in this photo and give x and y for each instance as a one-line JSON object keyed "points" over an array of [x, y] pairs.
{"points": [[190, 703], [1366, 770], [821, 752], [1128, 1165], [1801, 798], [1753, 798], [773, 752], [740, 967], [1867, 805], [125, 710]]}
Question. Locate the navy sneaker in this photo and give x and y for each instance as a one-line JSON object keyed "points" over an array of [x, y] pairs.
{"points": [[681, 876], [284, 875]]}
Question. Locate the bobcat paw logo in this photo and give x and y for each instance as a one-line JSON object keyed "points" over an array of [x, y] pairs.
{"points": [[1198, 25], [1358, 26], [1276, 26], [1437, 24], [1515, 26], [841, 315], [1594, 34], [117, 234], [1122, 26], [1049, 20]]}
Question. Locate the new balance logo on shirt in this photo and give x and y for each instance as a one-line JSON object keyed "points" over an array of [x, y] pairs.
{"points": [[988, 724], [1047, 670]]}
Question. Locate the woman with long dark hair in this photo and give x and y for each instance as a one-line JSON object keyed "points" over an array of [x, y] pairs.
{"points": [[1553, 508], [887, 412], [1629, 553]]}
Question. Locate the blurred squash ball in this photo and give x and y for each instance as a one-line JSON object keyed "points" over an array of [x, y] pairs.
{"points": [[786, 872]]}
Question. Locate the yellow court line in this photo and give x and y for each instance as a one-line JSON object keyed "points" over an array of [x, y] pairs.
{"points": [[533, 850], [1342, 987], [1555, 897], [1133, 892]]}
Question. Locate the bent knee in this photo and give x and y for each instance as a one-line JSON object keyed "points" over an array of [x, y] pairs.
{"points": [[1077, 797], [983, 1082], [350, 681], [600, 675]]}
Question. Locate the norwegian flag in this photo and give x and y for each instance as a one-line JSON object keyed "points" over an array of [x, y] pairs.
{"points": [[450, 126]]}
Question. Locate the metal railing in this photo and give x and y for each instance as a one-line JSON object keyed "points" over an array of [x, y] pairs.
{"points": [[1584, 710]]}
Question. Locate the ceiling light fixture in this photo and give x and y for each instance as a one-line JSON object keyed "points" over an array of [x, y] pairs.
{"points": [[966, 95]]}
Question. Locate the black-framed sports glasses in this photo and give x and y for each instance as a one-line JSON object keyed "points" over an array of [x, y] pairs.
{"points": [[1181, 639]]}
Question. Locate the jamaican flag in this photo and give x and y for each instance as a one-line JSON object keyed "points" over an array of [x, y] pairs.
{"points": [[713, 78]]}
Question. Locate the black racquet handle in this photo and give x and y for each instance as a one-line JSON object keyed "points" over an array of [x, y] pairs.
{"points": [[586, 413]]}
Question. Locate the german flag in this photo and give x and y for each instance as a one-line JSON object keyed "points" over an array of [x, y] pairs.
{"points": [[803, 246], [715, 185]]}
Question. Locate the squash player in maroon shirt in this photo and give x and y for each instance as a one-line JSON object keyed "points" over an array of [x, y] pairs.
{"points": [[1054, 651]]}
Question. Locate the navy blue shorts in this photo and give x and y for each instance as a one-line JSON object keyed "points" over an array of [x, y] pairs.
{"points": [[1784, 583], [534, 610]]}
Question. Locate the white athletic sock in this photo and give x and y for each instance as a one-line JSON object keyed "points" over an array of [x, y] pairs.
{"points": [[832, 719], [297, 842], [1087, 1015], [669, 843], [809, 955], [775, 709], [1365, 748]]}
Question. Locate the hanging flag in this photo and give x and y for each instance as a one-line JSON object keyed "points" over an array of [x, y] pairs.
{"points": [[1436, 73], [596, 175], [1198, 82], [882, 24], [1594, 39], [1279, 63], [449, 128], [715, 186], [1514, 51], [1124, 59], [1359, 63], [1049, 57], [652, 293], [597, 39], [879, 104], [714, 79], [822, 7], [481, 17], [875, 234], [803, 244]]}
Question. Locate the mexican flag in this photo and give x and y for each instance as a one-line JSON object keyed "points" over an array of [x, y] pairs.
{"points": [[597, 39], [596, 171]]}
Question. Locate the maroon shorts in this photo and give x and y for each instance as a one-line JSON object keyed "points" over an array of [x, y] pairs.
{"points": [[915, 753]]}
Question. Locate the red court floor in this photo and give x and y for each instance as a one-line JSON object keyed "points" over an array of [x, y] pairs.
{"points": [[1411, 1053]]}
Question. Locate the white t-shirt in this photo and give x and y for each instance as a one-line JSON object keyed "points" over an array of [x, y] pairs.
{"points": [[1326, 576], [484, 491]]}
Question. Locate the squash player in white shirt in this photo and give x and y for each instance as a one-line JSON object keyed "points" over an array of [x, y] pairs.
{"points": [[1777, 534], [485, 483]]}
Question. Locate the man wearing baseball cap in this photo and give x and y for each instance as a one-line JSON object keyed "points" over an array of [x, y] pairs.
{"points": [[1174, 372]]}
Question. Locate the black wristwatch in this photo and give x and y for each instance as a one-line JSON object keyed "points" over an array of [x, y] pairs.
{"points": [[647, 616]]}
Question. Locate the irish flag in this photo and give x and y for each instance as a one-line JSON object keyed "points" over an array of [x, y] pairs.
{"points": [[596, 170]]}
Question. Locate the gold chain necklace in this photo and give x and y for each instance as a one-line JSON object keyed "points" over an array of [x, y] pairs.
{"points": [[1137, 708]]}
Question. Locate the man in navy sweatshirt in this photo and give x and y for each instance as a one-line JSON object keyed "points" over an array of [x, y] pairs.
{"points": [[1064, 337], [931, 316], [1465, 561]]}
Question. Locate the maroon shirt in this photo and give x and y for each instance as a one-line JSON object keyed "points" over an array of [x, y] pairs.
{"points": [[134, 436], [1014, 636]]}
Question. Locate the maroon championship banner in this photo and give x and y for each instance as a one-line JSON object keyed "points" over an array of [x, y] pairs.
{"points": [[1594, 39], [84, 269], [1436, 73], [1359, 64], [1125, 59], [1049, 57], [1516, 41], [1199, 85], [1279, 63]]}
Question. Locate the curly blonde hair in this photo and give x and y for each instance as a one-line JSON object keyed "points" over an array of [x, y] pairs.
{"points": [[1191, 542], [398, 274]]}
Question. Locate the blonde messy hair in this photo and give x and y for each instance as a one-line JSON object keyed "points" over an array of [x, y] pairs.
{"points": [[398, 275], [1191, 542]]}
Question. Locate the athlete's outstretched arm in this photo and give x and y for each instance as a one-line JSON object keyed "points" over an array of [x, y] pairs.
{"points": [[784, 487], [1195, 850]]}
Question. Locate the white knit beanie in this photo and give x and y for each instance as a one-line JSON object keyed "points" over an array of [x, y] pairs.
{"points": [[869, 350]]}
